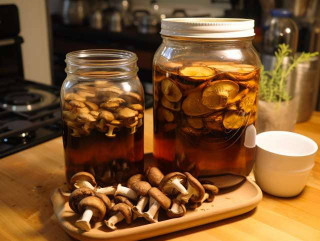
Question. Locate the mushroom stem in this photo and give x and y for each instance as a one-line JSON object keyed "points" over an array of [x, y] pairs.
{"points": [[138, 209], [133, 130], [175, 207], [84, 222], [177, 183], [125, 191], [110, 131], [185, 197], [205, 197], [80, 184], [118, 217], [107, 190], [150, 214]]}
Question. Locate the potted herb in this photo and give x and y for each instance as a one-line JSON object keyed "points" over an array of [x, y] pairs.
{"points": [[277, 107]]}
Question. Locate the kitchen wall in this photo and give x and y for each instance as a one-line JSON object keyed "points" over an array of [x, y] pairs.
{"points": [[35, 32]]}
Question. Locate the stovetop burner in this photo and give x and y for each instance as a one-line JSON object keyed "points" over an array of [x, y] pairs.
{"points": [[29, 115], [28, 100]]}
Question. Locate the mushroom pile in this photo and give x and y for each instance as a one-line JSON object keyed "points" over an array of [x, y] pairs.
{"points": [[144, 196], [103, 107]]}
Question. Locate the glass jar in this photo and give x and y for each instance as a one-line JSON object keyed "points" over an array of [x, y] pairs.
{"points": [[205, 77], [102, 103]]}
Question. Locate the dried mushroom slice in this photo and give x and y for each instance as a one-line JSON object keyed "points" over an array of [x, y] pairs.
{"points": [[132, 97], [77, 103], [174, 106], [232, 107], [112, 103], [74, 96], [252, 118], [111, 91], [82, 110], [86, 117], [244, 72], [106, 115], [251, 84], [91, 105], [217, 94], [239, 96], [170, 90], [67, 106], [197, 73], [234, 120], [248, 102], [95, 114], [86, 94], [191, 131], [168, 115], [196, 123], [217, 116], [125, 113], [137, 107], [214, 126], [68, 115], [192, 105]]}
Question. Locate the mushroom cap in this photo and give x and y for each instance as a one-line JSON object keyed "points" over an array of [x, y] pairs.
{"points": [[181, 211], [96, 205], [122, 199], [196, 185], [125, 112], [124, 209], [165, 183], [105, 199], [141, 188], [83, 176], [77, 195], [135, 178], [212, 190], [160, 197], [193, 205], [154, 176]]}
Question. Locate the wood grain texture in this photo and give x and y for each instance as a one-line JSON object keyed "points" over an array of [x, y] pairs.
{"points": [[28, 178]]}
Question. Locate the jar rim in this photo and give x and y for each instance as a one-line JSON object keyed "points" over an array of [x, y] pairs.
{"points": [[101, 57]]}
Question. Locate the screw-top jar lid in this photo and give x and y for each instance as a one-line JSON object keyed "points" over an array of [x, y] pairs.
{"points": [[207, 27]]}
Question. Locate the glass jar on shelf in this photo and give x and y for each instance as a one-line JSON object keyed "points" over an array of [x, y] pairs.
{"points": [[102, 104]]}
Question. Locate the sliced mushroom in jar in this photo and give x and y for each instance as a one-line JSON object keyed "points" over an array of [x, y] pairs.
{"points": [[192, 105], [251, 84], [170, 90], [174, 106], [197, 73], [239, 96], [196, 123], [167, 115], [234, 120], [217, 94], [248, 102]]}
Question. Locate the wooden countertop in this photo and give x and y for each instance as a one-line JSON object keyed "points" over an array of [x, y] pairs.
{"points": [[28, 178]]}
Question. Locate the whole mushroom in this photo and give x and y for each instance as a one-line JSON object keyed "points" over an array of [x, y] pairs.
{"points": [[77, 195], [159, 199], [195, 190], [83, 179], [92, 208], [135, 178], [173, 183], [141, 188], [125, 191], [177, 209], [154, 176], [120, 211]]}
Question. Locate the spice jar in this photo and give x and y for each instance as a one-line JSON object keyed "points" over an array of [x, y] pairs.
{"points": [[102, 104], [205, 78]]}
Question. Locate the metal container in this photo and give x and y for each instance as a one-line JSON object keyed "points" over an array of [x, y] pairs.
{"points": [[307, 85]]}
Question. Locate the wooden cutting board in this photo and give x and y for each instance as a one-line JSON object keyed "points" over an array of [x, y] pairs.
{"points": [[229, 203]]}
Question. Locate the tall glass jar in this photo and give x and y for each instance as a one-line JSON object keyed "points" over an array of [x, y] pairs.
{"points": [[205, 77], [102, 108]]}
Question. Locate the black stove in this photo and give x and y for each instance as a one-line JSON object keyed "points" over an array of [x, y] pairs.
{"points": [[29, 115]]}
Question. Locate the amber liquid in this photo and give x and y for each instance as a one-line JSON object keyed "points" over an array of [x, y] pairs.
{"points": [[111, 160], [206, 152]]}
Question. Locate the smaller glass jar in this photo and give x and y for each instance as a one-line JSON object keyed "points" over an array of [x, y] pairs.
{"points": [[102, 104]]}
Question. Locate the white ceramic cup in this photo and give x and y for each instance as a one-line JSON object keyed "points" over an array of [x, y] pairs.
{"points": [[283, 162]]}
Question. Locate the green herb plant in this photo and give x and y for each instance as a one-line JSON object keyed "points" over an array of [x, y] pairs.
{"points": [[273, 83]]}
